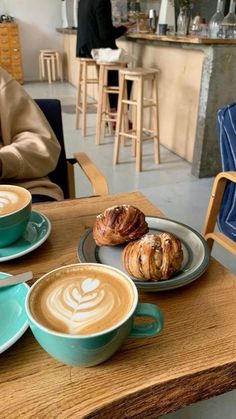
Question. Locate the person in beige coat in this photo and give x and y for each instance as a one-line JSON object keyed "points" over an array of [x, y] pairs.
{"points": [[29, 150]]}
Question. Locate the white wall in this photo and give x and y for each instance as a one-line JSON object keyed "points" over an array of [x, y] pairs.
{"points": [[37, 20]]}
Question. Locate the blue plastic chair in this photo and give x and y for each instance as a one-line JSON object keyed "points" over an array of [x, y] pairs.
{"points": [[222, 204]]}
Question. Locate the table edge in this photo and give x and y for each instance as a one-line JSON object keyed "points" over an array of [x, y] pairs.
{"points": [[157, 400]]}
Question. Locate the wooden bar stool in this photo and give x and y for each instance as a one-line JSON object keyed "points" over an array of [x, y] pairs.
{"points": [[139, 102], [47, 65], [84, 79], [50, 65], [104, 113]]}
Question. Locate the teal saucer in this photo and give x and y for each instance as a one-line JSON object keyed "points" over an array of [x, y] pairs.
{"points": [[37, 231], [13, 319]]}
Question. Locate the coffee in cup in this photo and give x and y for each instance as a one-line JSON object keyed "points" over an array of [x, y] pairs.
{"points": [[81, 300], [81, 314], [15, 211]]}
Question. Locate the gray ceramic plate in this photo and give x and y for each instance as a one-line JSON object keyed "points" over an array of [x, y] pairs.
{"points": [[195, 249]]}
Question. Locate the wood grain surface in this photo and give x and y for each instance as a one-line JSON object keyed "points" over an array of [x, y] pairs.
{"points": [[193, 358]]}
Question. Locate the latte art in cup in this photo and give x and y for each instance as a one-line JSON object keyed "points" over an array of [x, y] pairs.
{"points": [[81, 301], [12, 198]]}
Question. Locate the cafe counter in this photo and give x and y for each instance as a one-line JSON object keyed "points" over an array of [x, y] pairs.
{"points": [[197, 76]]}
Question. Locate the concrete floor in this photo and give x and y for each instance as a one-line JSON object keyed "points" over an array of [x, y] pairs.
{"points": [[170, 186]]}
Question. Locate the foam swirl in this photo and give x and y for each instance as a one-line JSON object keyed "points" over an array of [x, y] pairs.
{"points": [[7, 199], [79, 304], [12, 198]]}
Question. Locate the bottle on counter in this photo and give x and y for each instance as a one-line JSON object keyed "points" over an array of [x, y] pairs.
{"points": [[183, 21], [228, 26], [230, 18], [195, 24], [216, 20]]}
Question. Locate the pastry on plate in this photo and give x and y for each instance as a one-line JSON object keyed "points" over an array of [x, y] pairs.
{"points": [[119, 224], [154, 257]]}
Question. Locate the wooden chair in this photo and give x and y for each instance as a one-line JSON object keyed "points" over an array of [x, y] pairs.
{"points": [[222, 205], [63, 175]]}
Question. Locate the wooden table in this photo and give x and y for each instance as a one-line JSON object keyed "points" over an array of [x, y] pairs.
{"points": [[193, 358]]}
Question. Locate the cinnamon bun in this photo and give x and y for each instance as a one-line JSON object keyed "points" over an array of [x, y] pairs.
{"points": [[119, 224]]}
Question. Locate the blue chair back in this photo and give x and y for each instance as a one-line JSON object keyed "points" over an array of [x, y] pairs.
{"points": [[226, 129], [52, 110]]}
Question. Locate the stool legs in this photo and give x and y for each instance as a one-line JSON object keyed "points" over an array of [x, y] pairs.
{"points": [[104, 105], [59, 66], [134, 120], [119, 120], [100, 104], [156, 134], [78, 96], [49, 70], [84, 99], [84, 80], [108, 87], [139, 126], [53, 62], [41, 67]]}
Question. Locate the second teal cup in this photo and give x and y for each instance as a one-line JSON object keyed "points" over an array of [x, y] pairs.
{"points": [[15, 211]]}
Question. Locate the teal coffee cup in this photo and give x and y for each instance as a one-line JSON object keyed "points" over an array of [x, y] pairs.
{"points": [[82, 313], [15, 211]]}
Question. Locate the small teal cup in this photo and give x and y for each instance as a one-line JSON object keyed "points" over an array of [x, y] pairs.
{"points": [[93, 349], [13, 223]]}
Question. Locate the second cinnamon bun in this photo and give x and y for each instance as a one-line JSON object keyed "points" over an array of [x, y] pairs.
{"points": [[154, 257]]}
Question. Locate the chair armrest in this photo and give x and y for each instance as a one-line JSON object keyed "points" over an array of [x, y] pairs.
{"points": [[96, 178], [226, 175], [214, 204]]}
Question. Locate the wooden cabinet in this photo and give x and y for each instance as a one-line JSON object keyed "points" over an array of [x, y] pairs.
{"points": [[10, 53]]}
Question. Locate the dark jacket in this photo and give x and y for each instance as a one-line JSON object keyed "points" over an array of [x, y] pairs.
{"points": [[95, 29]]}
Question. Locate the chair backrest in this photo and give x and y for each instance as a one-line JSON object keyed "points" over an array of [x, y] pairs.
{"points": [[52, 111], [226, 129]]}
